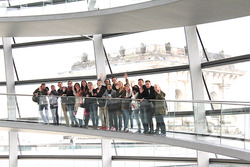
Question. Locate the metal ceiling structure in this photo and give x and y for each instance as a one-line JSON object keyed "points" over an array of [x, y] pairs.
{"points": [[152, 15]]}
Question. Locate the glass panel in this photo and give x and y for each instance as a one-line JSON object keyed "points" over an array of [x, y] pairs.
{"points": [[49, 144], [4, 162], [227, 126], [2, 66], [228, 82], [59, 60], [148, 51], [151, 163], [225, 39], [4, 143], [127, 148], [61, 163]]}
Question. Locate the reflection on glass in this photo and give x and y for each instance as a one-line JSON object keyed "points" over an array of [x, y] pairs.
{"points": [[148, 52], [229, 82]]}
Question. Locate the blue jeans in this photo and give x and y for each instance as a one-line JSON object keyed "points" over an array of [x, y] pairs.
{"points": [[136, 113], [46, 116], [144, 109], [126, 115], [160, 121], [70, 108], [93, 113], [55, 117]]}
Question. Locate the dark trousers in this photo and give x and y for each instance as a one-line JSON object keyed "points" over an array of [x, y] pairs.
{"points": [[113, 119], [161, 123]]}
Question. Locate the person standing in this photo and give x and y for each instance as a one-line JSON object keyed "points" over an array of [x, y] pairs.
{"points": [[135, 106], [62, 92], [143, 105], [102, 110], [42, 91], [119, 93], [78, 94], [90, 104], [160, 109], [70, 103], [150, 94], [53, 101], [110, 115], [127, 94], [114, 85]]}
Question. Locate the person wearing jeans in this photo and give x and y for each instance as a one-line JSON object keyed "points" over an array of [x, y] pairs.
{"points": [[42, 92], [71, 104], [160, 109], [54, 105], [135, 106], [127, 94]]}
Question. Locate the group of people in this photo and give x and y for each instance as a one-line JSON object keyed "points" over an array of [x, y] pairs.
{"points": [[116, 102]]}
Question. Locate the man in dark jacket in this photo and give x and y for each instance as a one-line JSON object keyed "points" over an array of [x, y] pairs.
{"points": [[143, 105], [62, 92], [42, 91], [151, 94], [70, 103], [99, 92]]}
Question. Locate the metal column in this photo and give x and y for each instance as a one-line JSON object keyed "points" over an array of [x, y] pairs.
{"points": [[106, 153], [11, 103], [197, 88], [99, 56]]}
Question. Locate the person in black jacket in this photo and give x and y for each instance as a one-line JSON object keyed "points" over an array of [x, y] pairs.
{"points": [[102, 109], [151, 94], [70, 103], [143, 105], [62, 92], [42, 91]]}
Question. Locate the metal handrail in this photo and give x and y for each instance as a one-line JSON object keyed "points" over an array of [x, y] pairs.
{"points": [[246, 103]]}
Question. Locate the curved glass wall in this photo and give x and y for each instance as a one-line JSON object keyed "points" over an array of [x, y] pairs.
{"points": [[57, 60], [225, 39], [152, 49]]}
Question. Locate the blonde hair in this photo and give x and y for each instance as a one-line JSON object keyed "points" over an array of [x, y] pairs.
{"points": [[122, 86]]}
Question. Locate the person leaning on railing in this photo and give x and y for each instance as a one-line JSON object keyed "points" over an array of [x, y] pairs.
{"points": [[160, 109], [42, 91], [110, 105], [62, 92], [70, 103], [53, 102]]}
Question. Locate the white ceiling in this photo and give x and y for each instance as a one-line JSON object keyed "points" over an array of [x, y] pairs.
{"points": [[158, 14]]}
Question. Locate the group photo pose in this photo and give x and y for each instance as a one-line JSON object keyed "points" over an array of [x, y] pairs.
{"points": [[115, 106]]}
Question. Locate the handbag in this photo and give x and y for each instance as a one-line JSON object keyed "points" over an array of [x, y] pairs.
{"points": [[80, 113], [35, 99]]}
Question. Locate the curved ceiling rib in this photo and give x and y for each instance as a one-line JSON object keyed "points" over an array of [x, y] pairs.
{"points": [[157, 14], [201, 145]]}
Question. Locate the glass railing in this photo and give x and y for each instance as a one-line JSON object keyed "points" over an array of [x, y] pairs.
{"points": [[44, 7], [222, 123]]}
